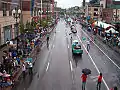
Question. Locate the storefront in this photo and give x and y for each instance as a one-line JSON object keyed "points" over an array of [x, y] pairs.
{"points": [[7, 33]]}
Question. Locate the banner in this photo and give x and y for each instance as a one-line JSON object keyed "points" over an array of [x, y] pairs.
{"points": [[32, 7]]}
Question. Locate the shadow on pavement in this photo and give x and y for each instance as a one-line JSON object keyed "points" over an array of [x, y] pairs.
{"points": [[76, 59]]}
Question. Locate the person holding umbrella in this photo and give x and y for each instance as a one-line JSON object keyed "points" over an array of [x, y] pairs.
{"points": [[85, 72], [84, 78]]}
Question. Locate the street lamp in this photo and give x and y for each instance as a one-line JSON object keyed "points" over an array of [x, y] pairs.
{"points": [[16, 14], [97, 16], [40, 13]]}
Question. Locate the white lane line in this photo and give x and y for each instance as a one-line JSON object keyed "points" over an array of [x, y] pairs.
{"points": [[102, 51], [47, 66], [68, 46], [71, 67], [94, 63], [53, 46]]}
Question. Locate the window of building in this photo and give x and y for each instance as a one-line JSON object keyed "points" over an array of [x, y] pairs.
{"points": [[4, 8], [10, 12], [89, 9], [101, 5], [95, 9], [95, 14]]}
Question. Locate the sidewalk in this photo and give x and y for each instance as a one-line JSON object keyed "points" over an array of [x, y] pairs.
{"points": [[17, 74], [1, 52], [116, 49], [99, 38]]}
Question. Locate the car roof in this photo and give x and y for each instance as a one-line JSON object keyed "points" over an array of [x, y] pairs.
{"points": [[75, 41]]}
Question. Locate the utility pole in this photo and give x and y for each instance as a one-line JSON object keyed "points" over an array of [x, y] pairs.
{"points": [[41, 11], [47, 11], [21, 16], [116, 15]]}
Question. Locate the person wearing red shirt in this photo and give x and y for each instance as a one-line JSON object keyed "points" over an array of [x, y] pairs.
{"points": [[84, 78], [114, 88], [99, 81]]}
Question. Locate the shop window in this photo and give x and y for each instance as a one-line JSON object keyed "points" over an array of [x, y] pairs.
{"points": [[89, 9], [4, 9], [95, 9], [95, 14]]}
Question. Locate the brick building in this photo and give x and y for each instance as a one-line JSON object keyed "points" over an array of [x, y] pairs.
{"points": [[30, 9], [7, 22]]}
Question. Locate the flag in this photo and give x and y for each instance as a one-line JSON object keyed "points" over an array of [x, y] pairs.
{"points": [[32, 6]]}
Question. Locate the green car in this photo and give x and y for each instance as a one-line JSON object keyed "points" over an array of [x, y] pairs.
{"points": [[76, 47]]}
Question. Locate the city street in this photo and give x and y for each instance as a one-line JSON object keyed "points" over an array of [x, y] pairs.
{"points": [[57, 69]]}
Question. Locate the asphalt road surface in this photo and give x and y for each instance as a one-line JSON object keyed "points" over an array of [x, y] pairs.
{"points": [[57, 69]]}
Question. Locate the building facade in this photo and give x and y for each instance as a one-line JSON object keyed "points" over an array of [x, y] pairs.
{"points": [[93, 11], [8, 28], [116, 11], [30, 9]]}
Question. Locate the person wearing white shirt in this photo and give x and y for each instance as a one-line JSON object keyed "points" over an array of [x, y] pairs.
{"points": [[23, 70], [88, 45], [30, 67]]}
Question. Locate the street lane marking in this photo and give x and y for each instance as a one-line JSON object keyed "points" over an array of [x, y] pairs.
{"points": [[102, 51], [47, 66], [68, 46], [71, 67], [53, 46], [93, 63]]}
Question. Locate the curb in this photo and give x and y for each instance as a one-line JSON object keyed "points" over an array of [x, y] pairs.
{"points": [[117, 50], [20, 72]]}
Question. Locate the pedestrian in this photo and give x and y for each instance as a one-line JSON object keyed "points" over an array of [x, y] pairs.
{"points": [[23, 70], [30, 67], [32, 44], [114, 88], [7, 41], [84, 78], [14, 54], [18, 59], [99, 81], [88, 45]]}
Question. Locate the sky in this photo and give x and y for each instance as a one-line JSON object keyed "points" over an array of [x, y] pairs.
{"points": [[69, 3]]}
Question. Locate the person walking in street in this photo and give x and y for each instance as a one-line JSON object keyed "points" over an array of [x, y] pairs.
{"points": [[88, 45], [84, 78], [30, 68], [99, 81], [47, 40], [23, 70]]}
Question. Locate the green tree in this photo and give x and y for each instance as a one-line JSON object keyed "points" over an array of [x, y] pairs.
{"points": [[21, 28], [30, 26], [44, 23]]}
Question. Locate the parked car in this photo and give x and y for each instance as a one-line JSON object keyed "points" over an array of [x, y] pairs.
{"points": [[76, 47]]}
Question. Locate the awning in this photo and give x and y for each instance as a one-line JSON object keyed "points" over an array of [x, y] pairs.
{"points": [[112, 30], [102, 24]]}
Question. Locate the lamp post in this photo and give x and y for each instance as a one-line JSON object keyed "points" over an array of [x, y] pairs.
{"points": [[40, 14], [97, 17], [16, 14], [47, 11]]}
